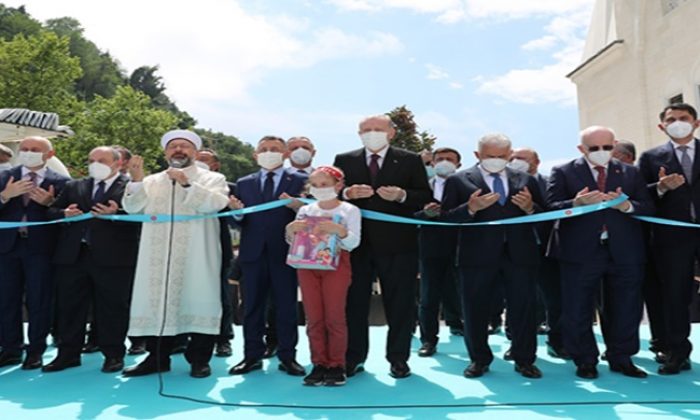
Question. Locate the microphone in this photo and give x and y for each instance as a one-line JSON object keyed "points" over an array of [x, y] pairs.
{"points": [[178, 164]]}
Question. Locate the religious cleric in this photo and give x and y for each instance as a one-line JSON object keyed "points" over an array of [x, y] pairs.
{"points": [[179, 263]]}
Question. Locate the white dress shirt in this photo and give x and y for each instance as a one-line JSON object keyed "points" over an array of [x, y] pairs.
{"points": [[488, 178]]}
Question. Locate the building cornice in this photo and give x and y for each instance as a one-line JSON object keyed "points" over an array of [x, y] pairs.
{"points": [[595, 57]]}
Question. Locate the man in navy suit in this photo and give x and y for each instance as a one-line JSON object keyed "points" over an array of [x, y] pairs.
{"points": [[437, 252], [489, 254], [390, 180], [263, 255], [26, 191], [606, 245], [95, 263], [672, 173]]}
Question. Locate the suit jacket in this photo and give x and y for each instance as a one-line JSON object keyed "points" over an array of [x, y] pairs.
{"points": [[674, 204], [577, 239], [264, 231], [400, 168], [434, 241], [112, 244], [544, 229], [42, 239], [484, 245]]}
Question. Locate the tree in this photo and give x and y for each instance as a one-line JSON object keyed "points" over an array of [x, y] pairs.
{"points": [[407, 135], [17, 21], [236, 157], [101, 73], [147, 81], [37, 72], [127, 119]]}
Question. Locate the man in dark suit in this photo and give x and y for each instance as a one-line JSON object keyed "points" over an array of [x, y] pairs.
{"points": [[25, 253], [263, 256], [390, 180], [437, 253], [490, 254], [607, 245], [672, 173], [95, 262], [549, 286]]}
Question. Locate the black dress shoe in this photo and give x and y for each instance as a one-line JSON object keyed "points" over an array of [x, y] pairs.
{"points": [[32, 361], [587, 371], [291, 367], [674, 367], [628, 370], [60, 363], [558, 351], [90, 348], [475, 370], [457, 330], [427, 350], [270, 352], [494, 329], [660, 357], [246, 366], [508, 355], [529, 371], [113, 364], [543, 329], [9, 359], [223, 349], [399, 370], [147, 367], [200, 370], [137, 348], [351, 369]]}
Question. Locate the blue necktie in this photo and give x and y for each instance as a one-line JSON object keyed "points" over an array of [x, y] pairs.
{"points": [[99, 194], [498, 188], [269, 187]]}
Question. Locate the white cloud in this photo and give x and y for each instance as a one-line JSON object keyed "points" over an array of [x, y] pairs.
{"points": [[544, 43], [435, 72], [456, 85]]}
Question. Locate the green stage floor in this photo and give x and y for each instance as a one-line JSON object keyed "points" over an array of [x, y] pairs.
{"points": [[436, 390]]}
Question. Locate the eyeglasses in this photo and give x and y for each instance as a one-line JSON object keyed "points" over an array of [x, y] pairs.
{"points": [[607, 147]]}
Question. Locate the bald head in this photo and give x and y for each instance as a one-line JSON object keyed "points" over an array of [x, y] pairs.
{"points": [[597, 143], [528, 155], [36, 142], [596, 134], [34, 152], [5, 153]]}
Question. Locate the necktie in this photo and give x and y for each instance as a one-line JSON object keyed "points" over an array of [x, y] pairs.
{"points": [[25, 196], [374, 166], [99, 194], [601, 187], [687, 166], [269, 187], [499, 188]]}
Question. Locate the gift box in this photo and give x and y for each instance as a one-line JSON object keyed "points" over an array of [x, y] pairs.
{"points": [[313, 250]]}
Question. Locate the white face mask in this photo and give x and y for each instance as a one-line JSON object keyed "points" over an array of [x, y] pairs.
{"points": [[374, 140], [600, 157], [445, 168], [30, 159], [270, 160], [519, 165], [494, 165], [679, 129], [5, 166], [99, 171], [300, 156], [323, 194], [200, 164]]}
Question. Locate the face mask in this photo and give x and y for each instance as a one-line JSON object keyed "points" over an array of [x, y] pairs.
{"points": [[300, 156], [323, 194], [600, 157], [5, 166], [445, 168], [200, 164], [30, 159], [374, 140], [519, 165], [180, 163], [269, 160], [99, 171], [430, 171], [679, 129], [494, 165]]}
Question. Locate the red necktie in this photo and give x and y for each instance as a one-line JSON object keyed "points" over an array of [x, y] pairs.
{"points": [[601, 188], [374, 166]]}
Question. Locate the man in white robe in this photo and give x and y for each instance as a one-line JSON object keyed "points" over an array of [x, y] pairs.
{"points": [[177, 288]]}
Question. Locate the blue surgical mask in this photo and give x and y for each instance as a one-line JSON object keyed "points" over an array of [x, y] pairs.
{"points": [[430, 171]]}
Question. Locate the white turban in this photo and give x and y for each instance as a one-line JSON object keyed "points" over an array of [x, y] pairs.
{"points": [[181, 134]]}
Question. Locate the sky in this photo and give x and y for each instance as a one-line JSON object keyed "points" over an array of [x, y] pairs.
{"points": [[316, 67]]}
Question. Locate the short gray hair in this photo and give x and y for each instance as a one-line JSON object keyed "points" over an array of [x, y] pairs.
{"points": [[494, 139]]}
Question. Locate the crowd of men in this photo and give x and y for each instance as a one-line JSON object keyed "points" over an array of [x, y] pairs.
{"points": [[165, 284]]}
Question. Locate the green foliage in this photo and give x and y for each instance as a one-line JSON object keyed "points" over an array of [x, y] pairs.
{"points": [[147, 81], [407, 135], [37, 72], [127, 119], [16, 21], [236, 157], [101, 73]]}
